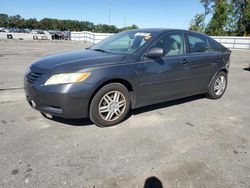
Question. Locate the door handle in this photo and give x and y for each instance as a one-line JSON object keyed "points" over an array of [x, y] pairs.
{"points": [[184, 62], [218, 57]]}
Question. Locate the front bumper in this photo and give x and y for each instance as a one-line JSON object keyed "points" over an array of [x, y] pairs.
{"points": [[67, 101]]}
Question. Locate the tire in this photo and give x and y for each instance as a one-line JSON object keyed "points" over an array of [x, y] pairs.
{"points": [[9, 36], [218, 92], [110, 105]]}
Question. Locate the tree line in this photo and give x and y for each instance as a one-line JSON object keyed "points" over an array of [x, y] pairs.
{"points": [[228, 17], [56, 24]]}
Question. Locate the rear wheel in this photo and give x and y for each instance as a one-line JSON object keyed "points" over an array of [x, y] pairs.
{"points": [[110, 105], [218, 86]]}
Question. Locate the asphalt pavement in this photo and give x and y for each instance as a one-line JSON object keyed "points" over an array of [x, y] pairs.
{"points": [[191, 142]]}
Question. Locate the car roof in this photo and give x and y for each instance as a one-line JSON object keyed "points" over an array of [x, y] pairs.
{"points": [[163, 30], [156, 29]]}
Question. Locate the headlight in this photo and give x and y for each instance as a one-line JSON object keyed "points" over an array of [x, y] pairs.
{"points": [[28, 71], [66, 78]]}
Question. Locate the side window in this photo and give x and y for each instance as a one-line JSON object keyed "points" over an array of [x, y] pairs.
{"points": [[197, 44], [172, 44]]}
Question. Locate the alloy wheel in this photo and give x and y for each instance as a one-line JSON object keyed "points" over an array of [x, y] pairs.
{"points": [[112, 106], [220, 85]]}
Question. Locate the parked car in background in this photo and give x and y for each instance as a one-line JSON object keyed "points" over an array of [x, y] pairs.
{"points": [[126, 71], [36, 31], [6, 30], [55, 35], [59, 35]]}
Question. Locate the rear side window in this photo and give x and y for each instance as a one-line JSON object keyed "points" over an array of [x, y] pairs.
{"points": [[215, 46], [197, 44]]}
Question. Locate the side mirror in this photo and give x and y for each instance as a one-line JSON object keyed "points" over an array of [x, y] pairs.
{"points": [[155, 52]]}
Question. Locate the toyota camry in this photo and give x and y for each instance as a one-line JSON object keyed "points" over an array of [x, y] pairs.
{"points": [[128, 70]]}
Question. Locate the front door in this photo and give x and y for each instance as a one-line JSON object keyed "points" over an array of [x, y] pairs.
{"points": [[166, 76]]}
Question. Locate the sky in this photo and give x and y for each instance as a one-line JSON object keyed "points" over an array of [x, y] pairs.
{"points": [[143, 13]]}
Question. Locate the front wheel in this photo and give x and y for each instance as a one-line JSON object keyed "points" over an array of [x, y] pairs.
{"points": [[110, 105], [218, 86]]}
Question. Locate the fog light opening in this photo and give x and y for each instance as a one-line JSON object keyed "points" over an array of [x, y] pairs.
{"points": [[32, 104], [48, 115]]}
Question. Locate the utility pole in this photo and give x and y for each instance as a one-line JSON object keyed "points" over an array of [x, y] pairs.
{"points": [[110, 1], [124, 26]]}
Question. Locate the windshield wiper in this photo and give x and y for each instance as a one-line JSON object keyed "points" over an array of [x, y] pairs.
{"points": [[100, 50]]}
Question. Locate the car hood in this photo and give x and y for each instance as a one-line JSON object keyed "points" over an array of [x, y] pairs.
{"points": [[79, 59]]}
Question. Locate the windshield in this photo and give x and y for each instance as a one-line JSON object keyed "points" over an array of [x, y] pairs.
{"points": [[123, 43]]}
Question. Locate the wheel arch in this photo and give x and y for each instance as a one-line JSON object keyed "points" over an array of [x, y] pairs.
{"points": [[122, 81], [221, 70]]}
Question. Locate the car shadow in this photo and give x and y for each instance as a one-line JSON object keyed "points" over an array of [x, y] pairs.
{"points": [[165, 104], [73, 122], [87, 122]]}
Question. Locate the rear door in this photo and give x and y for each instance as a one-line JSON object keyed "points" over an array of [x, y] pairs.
{"points": [[203, 61]]}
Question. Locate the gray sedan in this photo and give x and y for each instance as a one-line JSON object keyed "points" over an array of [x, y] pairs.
{"points": [[126, 71]]}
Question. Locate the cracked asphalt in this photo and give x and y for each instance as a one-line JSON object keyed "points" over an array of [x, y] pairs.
{"points": [[191, 142]]}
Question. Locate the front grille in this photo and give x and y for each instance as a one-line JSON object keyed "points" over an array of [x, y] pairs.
{"points": [[32, 77]]}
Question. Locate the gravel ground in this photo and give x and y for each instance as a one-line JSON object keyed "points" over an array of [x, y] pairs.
{"points": [[191, 142]]}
